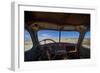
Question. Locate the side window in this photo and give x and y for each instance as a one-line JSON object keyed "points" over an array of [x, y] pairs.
{"points": [[86, 40], [27, 41]]}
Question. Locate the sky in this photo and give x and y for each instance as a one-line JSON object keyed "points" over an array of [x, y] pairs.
{"points": [[27, 36], [44, 34]]}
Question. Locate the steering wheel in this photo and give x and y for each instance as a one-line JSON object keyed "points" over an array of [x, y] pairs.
{"points": [[47, 48], [47, 40]]}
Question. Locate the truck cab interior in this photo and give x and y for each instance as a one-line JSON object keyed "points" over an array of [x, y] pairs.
{"points": [[57, 36]]}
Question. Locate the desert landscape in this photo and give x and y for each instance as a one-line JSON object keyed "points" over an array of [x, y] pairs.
{"points": [[86, 42]]}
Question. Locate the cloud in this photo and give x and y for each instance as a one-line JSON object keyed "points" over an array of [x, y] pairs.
{"points": [[44, 36]]}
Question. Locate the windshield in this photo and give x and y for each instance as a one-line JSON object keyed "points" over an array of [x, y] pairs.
{"points": [[63, 37], [48, 34], [69, 36]]}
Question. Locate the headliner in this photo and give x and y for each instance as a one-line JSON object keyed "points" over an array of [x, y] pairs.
{"points": [[55, 20]]}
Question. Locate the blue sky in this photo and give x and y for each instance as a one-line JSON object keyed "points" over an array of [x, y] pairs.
{"points": [[27, 36], [43, 34]]}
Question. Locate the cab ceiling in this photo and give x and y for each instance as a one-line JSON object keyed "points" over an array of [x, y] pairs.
{"points": [[55, 20]]}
